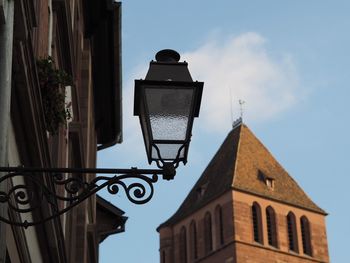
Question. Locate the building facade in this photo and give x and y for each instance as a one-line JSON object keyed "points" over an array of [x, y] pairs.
{"points": [[245, 208], [81, 40]]}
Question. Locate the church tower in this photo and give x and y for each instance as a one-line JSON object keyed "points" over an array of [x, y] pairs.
{"points": [[245, 208]]}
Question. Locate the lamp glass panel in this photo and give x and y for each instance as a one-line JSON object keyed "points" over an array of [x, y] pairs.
{"points": [[169, 111], [168, 151], [143, 121]]}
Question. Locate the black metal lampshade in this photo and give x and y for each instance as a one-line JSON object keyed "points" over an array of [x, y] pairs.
{"points": [[167, 102]]}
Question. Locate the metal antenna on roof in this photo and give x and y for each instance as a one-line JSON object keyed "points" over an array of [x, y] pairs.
{"points": [[241, 102], [238, 121]]}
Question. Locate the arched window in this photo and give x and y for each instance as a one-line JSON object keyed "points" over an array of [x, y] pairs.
{"points": [[292, 232], [271, 226], [257, 223], [219, 225], [306, 235], [183, 245], [193, 240], [208, 237]]}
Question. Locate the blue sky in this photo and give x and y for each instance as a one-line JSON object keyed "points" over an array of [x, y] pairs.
{"points": [[288, 60]]}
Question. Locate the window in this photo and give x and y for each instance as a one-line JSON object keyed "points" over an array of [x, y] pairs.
{"points": [[292, 232], [271, 226], [270, 183], [219, 225], [305, 235], [257, 223], [208, 237], [183, 245], [201, 190], [193, 240], [163, 256], [7, 260]]}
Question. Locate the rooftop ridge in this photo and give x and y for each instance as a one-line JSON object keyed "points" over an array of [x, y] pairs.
{"points": [[237, 123]]}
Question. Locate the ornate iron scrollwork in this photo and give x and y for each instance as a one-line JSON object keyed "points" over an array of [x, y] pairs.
{"points": [[27, 191]]}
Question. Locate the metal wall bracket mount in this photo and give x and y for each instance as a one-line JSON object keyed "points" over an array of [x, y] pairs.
{"points": [[61, 189]]}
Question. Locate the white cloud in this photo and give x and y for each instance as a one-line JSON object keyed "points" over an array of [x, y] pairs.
{"points": [[133, 144], [241, 66]]}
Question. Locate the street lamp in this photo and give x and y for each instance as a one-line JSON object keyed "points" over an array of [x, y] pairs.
{"points": [[167, 102]]}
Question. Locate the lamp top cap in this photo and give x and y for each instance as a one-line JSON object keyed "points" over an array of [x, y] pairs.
{"points": [[167, 55]]}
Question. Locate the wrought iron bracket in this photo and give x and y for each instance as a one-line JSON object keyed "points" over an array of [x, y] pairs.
{"points": [[61, 189]]}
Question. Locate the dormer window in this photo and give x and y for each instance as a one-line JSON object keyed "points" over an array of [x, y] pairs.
{"points": [[201, 190], [270, 183]]}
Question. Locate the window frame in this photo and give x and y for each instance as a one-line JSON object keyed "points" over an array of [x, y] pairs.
{"points": [[193, 240], [257, 223], [271, 226], [219, 222], [306, 235], [208, 233], [183, 245], [292, 233]]}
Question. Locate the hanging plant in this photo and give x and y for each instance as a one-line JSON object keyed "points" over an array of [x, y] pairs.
{"points": [[52, 82]]}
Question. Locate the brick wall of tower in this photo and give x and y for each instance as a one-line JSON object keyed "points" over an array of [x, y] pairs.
{"points": [[170, 236], [248, 254], [247, 250], [280, 233], [319, 239], [239, 245]]}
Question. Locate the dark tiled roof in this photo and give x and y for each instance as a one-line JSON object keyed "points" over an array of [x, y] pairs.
{"points": [[215, 180], [255, 160], [242, 163]]}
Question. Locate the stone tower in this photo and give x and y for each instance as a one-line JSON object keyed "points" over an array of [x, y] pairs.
{"points": [[245, 208]]}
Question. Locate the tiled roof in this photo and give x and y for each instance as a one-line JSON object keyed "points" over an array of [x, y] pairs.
{"points": [[243, 163]]}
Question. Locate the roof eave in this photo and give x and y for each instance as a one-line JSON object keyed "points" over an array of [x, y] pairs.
{"points": [[103, 28], [110, 219], [111, 138]]}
